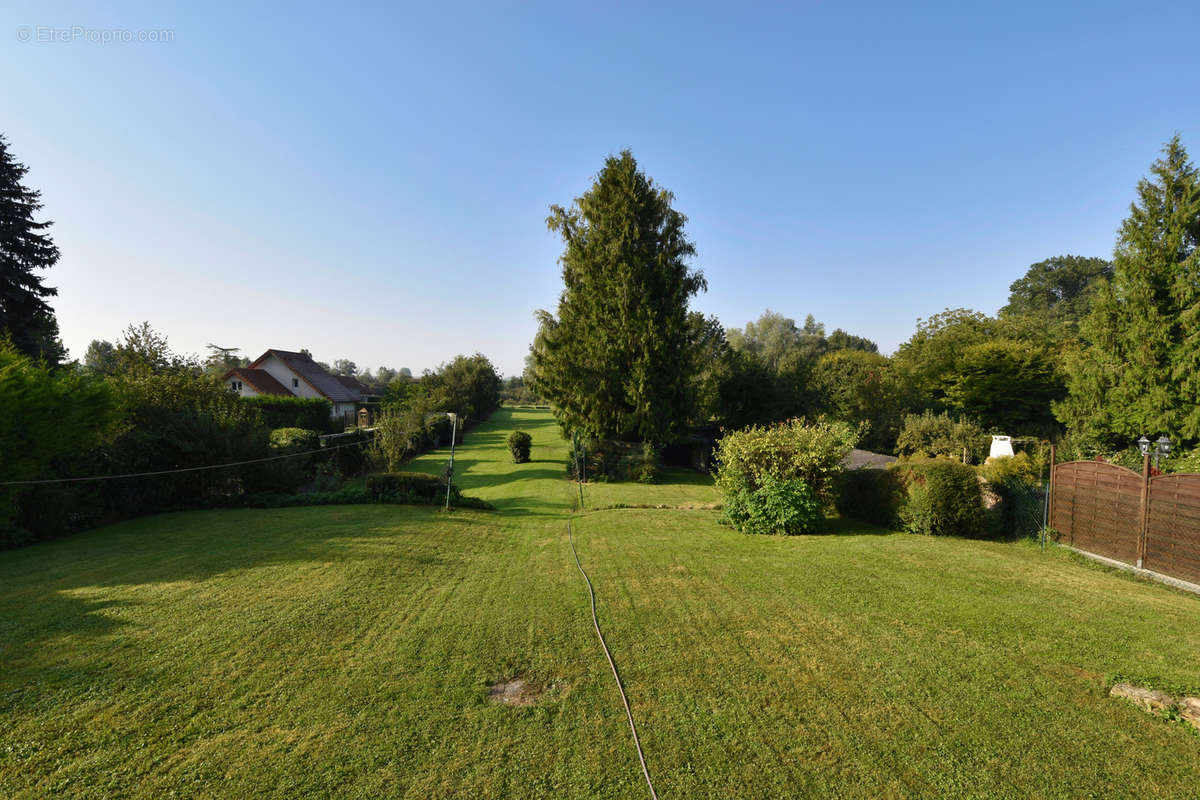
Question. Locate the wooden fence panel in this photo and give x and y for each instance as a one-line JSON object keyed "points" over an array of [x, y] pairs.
{"points": [[1173, 526], [1097, 508]]}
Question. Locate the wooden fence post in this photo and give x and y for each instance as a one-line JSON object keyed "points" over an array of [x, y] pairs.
{"points": [[1143, 510]]}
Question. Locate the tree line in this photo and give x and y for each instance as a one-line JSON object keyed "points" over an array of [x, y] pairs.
{"points": [[1088, 351], [100, 353]]}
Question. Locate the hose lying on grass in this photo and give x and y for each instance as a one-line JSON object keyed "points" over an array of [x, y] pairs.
{"points": [[608, 655]]}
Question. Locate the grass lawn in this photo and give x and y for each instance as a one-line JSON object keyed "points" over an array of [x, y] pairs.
{"points": [[347, 651]]}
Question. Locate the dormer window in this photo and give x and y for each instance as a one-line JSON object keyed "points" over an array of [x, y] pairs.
{"points": [[295, 383]]}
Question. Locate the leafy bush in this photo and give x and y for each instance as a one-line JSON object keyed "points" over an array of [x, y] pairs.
{"points": [[401, 432], [932, 435], [352, 453], [777, 478], [941, 498], [410, 487], [326, 476], [1008, 469], [519, 444], [293, 440], [809, 452], [1185, 462], [287, 474], [309, 413], [1015, 487], [646, 470], [177, 416], [608, 459], [348, 495], [49, 422], [872, 495], [787, 506]]}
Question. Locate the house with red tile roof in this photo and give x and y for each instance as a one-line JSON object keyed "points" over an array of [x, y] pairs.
{"points": [[287, 373]]}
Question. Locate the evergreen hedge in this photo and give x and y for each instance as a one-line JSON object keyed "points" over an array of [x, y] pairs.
{"points": [[311, 413]]}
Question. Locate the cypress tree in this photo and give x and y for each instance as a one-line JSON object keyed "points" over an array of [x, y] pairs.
{"points": [[25, 248], [615, 362]]}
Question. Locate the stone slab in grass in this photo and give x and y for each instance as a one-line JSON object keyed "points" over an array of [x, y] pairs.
{"points": [[1147, 699], [1189, 709]]}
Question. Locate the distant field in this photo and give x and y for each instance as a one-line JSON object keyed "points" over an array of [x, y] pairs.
{"points": [[347, 652]]}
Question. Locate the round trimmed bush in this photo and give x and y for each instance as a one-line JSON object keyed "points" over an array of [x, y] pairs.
{"points": [[519, 444]]}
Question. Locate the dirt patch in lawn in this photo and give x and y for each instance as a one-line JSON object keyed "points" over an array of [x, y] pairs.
{"points": [[515, 692]]}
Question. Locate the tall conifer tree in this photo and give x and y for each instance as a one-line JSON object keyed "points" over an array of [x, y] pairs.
{"points": [[1137, 373], [25, 248], [615, 362]]}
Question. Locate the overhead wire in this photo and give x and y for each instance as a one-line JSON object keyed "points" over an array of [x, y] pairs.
{"points": [[181, 469]]}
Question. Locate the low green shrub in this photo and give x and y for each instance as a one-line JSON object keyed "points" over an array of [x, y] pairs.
{"points": [[1017, 496], [941, 498], [326, 476], [778, 478], [811, 452], [787, 506], [293, 440], [415, 486], [646, 470], [353, 453], [345, 495], [288, 474], [610, 460], [519, 444], [872, 495]]}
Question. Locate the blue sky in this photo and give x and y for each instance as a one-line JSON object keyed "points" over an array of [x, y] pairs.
{"points": [[373, 183]]}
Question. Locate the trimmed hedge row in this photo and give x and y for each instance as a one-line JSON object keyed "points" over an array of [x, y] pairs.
{"points": [[940, 497], [415, 486], [934, 497], [340, 497], [311, 413]]}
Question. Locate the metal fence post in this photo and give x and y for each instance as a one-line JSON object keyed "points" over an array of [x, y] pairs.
{"points": [[1048, 514]]}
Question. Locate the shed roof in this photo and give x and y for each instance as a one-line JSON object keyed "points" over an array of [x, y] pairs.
{"points": [[865, 459]]}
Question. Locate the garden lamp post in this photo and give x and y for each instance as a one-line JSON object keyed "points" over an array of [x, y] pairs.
{"points": [[1162, 447], [450, 468]]}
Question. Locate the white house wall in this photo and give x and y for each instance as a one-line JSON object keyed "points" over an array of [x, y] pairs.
{"points": [[245, 391], [287, 378]]}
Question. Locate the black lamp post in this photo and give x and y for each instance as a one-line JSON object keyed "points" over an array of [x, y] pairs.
{"points": [[1162, 447]]}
